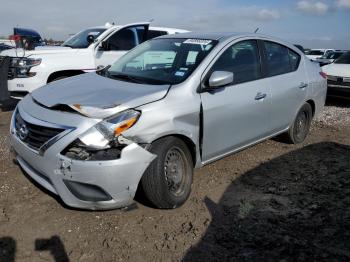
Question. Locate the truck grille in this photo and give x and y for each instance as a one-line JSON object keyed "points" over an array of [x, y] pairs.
{"points": [[32, 135], [338, 81], [11, 70]]}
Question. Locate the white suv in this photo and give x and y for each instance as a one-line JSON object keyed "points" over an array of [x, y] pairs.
{"points": [[86, 51]]}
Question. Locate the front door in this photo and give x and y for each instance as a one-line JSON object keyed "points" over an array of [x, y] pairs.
{"points": [[117, 44], [237, 114]]}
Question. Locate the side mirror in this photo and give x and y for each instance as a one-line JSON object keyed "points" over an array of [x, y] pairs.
{"points": [[105, 45], [220, 79], [90, 39]]}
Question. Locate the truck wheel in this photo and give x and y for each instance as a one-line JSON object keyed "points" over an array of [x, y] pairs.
{"points": [[301, 125], [167, 181]]}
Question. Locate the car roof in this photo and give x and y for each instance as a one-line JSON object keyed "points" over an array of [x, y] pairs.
{"points": [[207, 35], [221, 36], [170, 29]]}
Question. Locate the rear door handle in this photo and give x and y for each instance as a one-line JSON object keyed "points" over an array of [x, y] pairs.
{"points": [[303, 85], [260, 96]]}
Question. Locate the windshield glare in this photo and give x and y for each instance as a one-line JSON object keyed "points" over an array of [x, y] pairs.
{"points": [[344, 59], [163, 61], [80, 40]]}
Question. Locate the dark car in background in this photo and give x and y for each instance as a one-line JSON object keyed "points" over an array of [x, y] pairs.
{"points": [[4, 47]]}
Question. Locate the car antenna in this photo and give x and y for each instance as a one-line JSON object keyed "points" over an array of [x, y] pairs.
{"points": [[151, 20], [256, 30]]}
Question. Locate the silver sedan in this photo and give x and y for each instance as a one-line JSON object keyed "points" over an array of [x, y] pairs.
{"points": [[170, 105]]}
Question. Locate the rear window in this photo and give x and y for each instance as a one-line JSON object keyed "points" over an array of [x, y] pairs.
{"points": [[280, 59]]}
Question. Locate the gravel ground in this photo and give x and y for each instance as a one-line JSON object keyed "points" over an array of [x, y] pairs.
{"points": [[271, 202], [336, 114]]}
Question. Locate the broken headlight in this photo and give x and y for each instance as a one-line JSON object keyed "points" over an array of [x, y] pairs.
{"points": [[102, 134], [22, 66]]}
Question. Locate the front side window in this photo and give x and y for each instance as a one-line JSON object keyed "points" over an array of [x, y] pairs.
{"points": [[80, 40], [122, 40], [161, 61], [242, 59], [280, 59]]}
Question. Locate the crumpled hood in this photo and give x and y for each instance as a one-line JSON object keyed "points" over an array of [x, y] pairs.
{"points": [[342, 70], [97, 91]]}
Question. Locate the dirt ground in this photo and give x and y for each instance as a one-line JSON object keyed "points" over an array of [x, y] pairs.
{"points": [[271, 202]]}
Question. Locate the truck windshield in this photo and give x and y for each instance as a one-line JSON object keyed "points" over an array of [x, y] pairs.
{"points": [[344, 59], [80, 39], [162, 61]]}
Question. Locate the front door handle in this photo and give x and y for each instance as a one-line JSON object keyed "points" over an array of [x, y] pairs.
{"points": [[303, 85], [260, 96]]}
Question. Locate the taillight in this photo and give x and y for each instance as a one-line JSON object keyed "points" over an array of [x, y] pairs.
{"points": [[323, 74]]}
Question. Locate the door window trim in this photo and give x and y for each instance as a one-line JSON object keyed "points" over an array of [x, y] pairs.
{"points": [[207, 72], [110, 34], [266, 66]]}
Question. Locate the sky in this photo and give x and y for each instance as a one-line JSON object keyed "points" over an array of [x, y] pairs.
{"points": [[311, 23]]}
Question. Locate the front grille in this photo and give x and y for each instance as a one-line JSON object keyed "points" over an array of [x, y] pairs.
{"points": [[338, 81], [34, 136], [11, 74]]}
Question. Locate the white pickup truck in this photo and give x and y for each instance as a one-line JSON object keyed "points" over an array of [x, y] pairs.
{"points": [[86, 51]]}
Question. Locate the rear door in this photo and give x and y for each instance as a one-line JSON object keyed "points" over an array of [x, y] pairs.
{"points": [[120, 42], [288, 81], [238, 114]]}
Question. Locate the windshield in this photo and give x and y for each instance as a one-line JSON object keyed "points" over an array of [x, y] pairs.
{"points": [[344, 59], [80, 39], [162, 61]]}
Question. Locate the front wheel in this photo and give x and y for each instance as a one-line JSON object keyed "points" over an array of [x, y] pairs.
{"points": [[167, 181], [301, 125]]}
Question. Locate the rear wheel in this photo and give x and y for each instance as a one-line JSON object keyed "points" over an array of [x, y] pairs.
{"points": [[301, 125], [167, 181]]}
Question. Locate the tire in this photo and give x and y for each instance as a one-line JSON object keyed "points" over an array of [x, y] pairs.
{"points": [[163, 188], [301, 125]]}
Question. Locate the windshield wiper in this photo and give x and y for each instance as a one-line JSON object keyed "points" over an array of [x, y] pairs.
{"points": [[104, 71], [68, 46], [123, 77]]}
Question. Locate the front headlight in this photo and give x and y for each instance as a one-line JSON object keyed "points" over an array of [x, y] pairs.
{"points": [[22, 66], [120, 122], [106, 131]]}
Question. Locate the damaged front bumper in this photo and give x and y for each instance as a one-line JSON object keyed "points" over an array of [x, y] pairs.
{"points": [[104, 184]]}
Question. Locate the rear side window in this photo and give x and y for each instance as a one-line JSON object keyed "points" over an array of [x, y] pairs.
{"points": [[294, 59], [150, 34], [280, 59], [155, 33], [242, 59]]}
